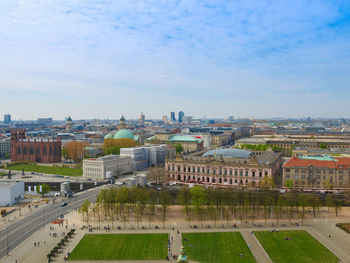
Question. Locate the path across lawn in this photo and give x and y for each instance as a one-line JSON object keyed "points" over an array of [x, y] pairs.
{"points": [[301, 247]]}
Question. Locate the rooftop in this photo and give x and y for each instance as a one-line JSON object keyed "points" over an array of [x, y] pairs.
{"points": [[337, 162], [228, 153]]}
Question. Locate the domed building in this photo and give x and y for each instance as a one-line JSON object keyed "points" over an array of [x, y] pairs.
{"points": [[123, 133], [108, 136]]}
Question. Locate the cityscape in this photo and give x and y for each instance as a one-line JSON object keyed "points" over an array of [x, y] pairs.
{"points": [[181, 131]]}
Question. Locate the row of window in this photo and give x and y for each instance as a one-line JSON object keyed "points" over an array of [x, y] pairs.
{"points": [[31, 150], [215, 171], [340, 177], [213, 180]]}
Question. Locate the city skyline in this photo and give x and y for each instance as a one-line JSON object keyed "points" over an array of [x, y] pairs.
{"points": [[99, 60]]}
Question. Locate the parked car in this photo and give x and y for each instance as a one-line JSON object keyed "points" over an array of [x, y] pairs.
{"points": [[64, 204]]}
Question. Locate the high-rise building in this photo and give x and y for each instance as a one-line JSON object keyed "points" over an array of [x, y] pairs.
{"points": [[172, 116], [165, 119], [181, 115], [142, 118], [7, 118]]}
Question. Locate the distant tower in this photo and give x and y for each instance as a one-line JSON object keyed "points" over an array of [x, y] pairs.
{"points": [[181, 116], [172, 116], [165, 119], [69, 124], [122, 124], [7, 118], [142, 118]]}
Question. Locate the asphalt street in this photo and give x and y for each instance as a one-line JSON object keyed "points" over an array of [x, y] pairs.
{"points": [[16, 233]]}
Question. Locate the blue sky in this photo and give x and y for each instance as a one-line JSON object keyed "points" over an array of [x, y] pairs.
{"points": [[99, 59]]}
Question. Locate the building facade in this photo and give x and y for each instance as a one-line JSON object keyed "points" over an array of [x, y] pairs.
{"points": [[11, 192], [317, 172], [39, 150], [103, 167], [144, 156], [5, 148], [231, 167]]}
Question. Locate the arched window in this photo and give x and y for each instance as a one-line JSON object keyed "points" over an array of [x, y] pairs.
{"points": [[220, 180], [213, 180], [31, 150], [38, 150], [50, 150], [25, 150], [55, 150], [18, 149], [44, 150]]}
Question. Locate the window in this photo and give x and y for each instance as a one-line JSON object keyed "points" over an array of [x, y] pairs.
{"points": [[31, 150], [168, 167], [193, 169], [236, 172], [188, 169], [287, 169], [253, 173], [225, 171], [220, 171], [178, 168], [241, 172], [208, 171], [203, 170], [214, 171], [246, 173], [184, 168], [230, 171], [260, 174], [287, 176]]}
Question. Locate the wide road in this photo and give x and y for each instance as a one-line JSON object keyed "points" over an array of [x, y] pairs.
{"points": [[17, 232]]}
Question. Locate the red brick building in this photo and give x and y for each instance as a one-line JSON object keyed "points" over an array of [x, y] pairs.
{"points": [[42, 150]]}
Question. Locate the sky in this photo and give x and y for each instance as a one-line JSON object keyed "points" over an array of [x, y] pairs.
{"points": [[101, 59]]}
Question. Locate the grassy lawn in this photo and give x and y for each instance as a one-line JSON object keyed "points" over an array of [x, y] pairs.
{"points": [[121, 247], [302, 248], [47, 169], [216, 247]]}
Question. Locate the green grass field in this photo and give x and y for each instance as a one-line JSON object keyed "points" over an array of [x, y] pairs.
{"points": [[302, 248], [47, 169], [216, 247], [121, 247]]}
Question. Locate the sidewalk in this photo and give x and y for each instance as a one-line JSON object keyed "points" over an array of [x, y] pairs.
{"points": [[258, 251]]}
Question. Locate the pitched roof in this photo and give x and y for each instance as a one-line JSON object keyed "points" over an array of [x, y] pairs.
{"points": [[338, 163]]}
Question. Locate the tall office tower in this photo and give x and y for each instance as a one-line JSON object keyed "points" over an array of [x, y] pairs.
{"points": [[165, 119], [142, 118], [7, 118], [172, 116], [181, 115]]}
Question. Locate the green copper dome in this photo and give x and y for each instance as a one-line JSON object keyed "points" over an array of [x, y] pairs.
{"points": [[108, 136], [124, 134]]}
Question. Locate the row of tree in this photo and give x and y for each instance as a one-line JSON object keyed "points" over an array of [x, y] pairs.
{"points": [[226, 206]]}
